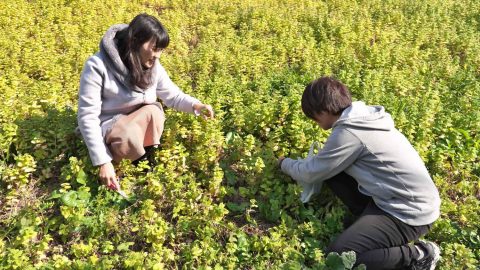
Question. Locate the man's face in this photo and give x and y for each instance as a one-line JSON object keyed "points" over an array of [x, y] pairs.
{"points": [[325, 120]]}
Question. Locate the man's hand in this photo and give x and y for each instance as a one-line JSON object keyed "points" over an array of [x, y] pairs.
{"points": [[204, 110], [280, 160], [108, 177]]}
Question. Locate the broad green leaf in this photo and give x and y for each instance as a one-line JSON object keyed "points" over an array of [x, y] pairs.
{"points": [[334, 261], [70, 198], [360, 267], [83, 195], [81, 177], [237, 207], [124, 246], [348, 259], [55, 195], [229, 137]]}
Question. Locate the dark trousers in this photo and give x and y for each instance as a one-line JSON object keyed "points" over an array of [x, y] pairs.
{"points": [[379, 240]]}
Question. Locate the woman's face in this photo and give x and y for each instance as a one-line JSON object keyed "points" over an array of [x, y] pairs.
{"points": [[149, 53]]}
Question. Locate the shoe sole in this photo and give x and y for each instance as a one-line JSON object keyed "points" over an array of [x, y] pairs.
{"points": [[436, 256]]}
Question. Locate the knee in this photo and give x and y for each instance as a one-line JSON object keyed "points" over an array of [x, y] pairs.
{"points": [[155, 114], [347, 241], [337, 246], [124, 134], [126, 144]]}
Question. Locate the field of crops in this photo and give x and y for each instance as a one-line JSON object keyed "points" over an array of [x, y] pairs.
{"points": [[215, 199]]}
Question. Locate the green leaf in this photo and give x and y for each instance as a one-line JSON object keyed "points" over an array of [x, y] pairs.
{"points": [[83, 195], [349, 259], [55, 195], [334, 261], [229, 137], [81, 177], [231, 178], [25, 222], [360, 267], [124, 246], [239, 208], [70, 198]]}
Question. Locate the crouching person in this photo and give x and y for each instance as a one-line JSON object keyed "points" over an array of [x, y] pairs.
{"points": [[377, 174], [118, 113]]}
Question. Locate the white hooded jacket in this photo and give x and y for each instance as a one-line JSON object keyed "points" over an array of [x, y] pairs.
{"points": [[106, 93]]}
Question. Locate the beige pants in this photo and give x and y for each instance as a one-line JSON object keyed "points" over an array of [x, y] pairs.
{"points": [[131, 133]]}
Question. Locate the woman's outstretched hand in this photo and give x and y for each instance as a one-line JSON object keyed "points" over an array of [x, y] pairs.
{"points": [[204, 110], [108, 176]]}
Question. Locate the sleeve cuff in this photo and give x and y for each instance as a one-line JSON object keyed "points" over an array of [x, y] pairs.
{"points": [[101, 159], [196, 112], [284, 165]]}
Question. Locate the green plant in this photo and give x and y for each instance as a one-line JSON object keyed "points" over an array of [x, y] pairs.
{"points": [[215, 198]]}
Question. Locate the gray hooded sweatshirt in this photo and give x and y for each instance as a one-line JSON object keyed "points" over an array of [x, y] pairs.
{"points": [[365, 144], [105, 93]]}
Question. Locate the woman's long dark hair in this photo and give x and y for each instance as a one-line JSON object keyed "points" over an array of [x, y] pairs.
{"points": [[140, 30]]}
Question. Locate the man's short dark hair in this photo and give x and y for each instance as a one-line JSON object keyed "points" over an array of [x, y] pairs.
{"points": [[325, 95]]}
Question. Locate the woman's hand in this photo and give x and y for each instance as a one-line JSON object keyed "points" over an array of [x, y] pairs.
{"points": [[204, 110], [108, 176]]}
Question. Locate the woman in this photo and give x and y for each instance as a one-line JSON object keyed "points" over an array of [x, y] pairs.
{"points": [[118, 112]]}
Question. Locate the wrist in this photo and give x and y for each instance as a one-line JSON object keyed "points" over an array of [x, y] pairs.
{"points": [[105, 164], [280, 161], [196, 108]]}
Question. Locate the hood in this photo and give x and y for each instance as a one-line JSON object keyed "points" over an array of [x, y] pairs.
{"points": [[359, 115], [113, 62]]}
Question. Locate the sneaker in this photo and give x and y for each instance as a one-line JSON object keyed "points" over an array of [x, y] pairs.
{"points": [[431, 258]]}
